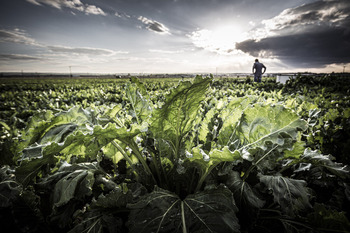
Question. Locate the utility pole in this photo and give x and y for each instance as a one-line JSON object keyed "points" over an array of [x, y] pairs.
{"points": [[70, 71], [344, 69]]}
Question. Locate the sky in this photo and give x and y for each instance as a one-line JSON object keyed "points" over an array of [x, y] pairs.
{"points": [[174, 36]]}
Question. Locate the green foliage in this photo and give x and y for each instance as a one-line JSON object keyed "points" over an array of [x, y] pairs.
{"points": [[291, 195], [174, 120], [244, 194], [9, 188], [197, 156], [211, 210]]}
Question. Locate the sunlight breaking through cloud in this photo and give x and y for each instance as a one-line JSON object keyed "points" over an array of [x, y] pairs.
{"points": [[221, 40]]}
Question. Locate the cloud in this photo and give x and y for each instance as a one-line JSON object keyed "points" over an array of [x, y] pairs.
{"points": [[154, 26], [18, 57], [204, 39], [71, 4], [122, 15], [303, 50], [34, 2], [84, 51], [311, 35], [17, 36], [165, 51], [321, 13], [220, 40], [91, 9]]}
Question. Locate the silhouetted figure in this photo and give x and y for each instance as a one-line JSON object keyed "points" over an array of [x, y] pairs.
{"points": [[257, 70]]}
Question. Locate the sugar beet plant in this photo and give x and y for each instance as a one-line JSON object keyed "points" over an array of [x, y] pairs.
{"points": [[193, 163]]}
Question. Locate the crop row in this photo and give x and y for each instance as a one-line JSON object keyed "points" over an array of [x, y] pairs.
{"points": [[198, 155]]}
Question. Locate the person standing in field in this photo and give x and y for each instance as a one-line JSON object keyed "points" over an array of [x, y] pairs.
{"points": [[257, 70]]}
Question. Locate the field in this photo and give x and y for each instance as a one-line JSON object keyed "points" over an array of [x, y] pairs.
{"points": [[199, 154]]}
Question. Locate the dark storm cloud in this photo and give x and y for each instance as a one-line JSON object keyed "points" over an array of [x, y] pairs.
{"points": [[154, 26], [313, 35], [331, 13], [18, 57], [303, 50]]}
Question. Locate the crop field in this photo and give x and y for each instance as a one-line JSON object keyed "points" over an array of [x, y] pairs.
{"points": [[191, 155]]}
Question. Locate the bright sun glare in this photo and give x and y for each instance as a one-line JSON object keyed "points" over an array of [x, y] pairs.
{"points": [[221, 40]]}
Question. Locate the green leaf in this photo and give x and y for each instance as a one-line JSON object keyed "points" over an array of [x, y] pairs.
{"points": [[68, 188], [9, 188], [35, 129], [232, 116], [117, 198], [296, 151], [42, 123], [120, 197], [102, 216], [268, 124], [141, 108], [174, 120], [96, 222], [5, 126], [260, 128], [89, 144], [212, 210], [205, 161], [316, 159], [29, 169], [327, 220], [110, 151], [46, 128], [291, 195], [245, 196], [76, 184], [141, 88], [91, 223], [57, 134], [112, 112], [254, 128], [69, 182], [204, 129], [153, 212]]}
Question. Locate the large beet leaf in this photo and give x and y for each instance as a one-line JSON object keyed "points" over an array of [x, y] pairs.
{"points": [[291, 195], [162, 211], [174, 120]]}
